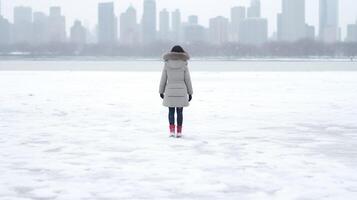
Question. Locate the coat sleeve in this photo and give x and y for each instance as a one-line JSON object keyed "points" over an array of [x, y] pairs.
{"points": [[188, 81], [163, 81]]}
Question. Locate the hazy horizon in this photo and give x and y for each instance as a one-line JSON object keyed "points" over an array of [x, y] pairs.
{"points": [[270, 8]]}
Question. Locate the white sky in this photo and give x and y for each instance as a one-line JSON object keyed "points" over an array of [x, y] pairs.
{"points": [[86, 10]]}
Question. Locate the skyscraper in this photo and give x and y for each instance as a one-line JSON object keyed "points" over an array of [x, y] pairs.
{"points": [[279, 26], [291, 22], [193, 19], [40, 28], [164, 29], [107, 24], [310, 32], [218, 30], [237, 15], [22, 29], [254, 9], [329, 30], [56, 26], [4, 31], [149, 22], [78, 33], [176, 25], [253, 31], [351, 33], [129, 29], [192, 31]]}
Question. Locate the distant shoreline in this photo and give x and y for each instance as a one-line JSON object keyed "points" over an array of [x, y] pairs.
{"points": [[155, 65], [120, 58]]}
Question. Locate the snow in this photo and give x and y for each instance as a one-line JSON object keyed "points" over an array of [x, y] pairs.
{"points": [[247, 135]]}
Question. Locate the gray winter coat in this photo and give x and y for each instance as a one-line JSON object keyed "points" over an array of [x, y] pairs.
{"points": [[175, 81]]}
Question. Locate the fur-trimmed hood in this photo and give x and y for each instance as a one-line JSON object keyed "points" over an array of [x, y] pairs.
{"points": [[176, 56]]}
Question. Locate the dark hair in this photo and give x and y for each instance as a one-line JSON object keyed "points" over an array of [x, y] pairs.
{"points": [[177, 49]]}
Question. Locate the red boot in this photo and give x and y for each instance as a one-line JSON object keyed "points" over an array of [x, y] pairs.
{"points": [[172, 130], [179, 132]]}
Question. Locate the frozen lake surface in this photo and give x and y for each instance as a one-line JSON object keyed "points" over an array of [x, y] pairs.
{"points": [[247, 135], [195, 65]]}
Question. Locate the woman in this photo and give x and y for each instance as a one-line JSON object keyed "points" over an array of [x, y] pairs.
{"points": [[176, 87]]}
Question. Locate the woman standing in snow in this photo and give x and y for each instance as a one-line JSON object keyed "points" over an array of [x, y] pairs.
{"points": [[176, 87]]}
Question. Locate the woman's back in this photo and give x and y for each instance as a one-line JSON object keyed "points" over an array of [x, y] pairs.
{"points": [[175, 80], [175, 70], [175, 86]]}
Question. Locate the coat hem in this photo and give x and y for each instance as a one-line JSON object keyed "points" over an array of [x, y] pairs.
{"points": [[175, 106]]}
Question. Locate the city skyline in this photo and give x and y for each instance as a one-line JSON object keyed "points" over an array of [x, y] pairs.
{"points": [[245, 25], [269, 10]]}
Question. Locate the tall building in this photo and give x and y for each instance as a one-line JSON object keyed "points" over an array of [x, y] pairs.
{"points": [[176, 25], [5, 27], [149, 22], [310, 32], [279, 26], [164, 28], [237, 15], [254, 9], [192, 31], [291, 22], [218, 30], [253, 31], [351, 33], [129, 28], [193, 19], [40, 28], [78, 33], [56, 26], [107, 24], [329, 30], [22, 28], [4, 31], [92, 34]]}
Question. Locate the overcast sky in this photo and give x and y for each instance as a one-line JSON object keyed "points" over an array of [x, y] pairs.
{"points": [[86, 10]]}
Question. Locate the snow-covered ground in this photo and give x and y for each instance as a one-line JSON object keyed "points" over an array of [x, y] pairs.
{"points": [[247, 135]]}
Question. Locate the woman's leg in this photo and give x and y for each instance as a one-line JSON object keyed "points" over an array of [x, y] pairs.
{"points": [[179, 116], [172, 116]]}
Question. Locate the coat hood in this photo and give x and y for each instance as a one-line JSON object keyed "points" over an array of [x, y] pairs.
{"points": [[176, 56]]}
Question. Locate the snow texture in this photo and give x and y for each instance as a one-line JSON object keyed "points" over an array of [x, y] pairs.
{"points": [[247, 135]]}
